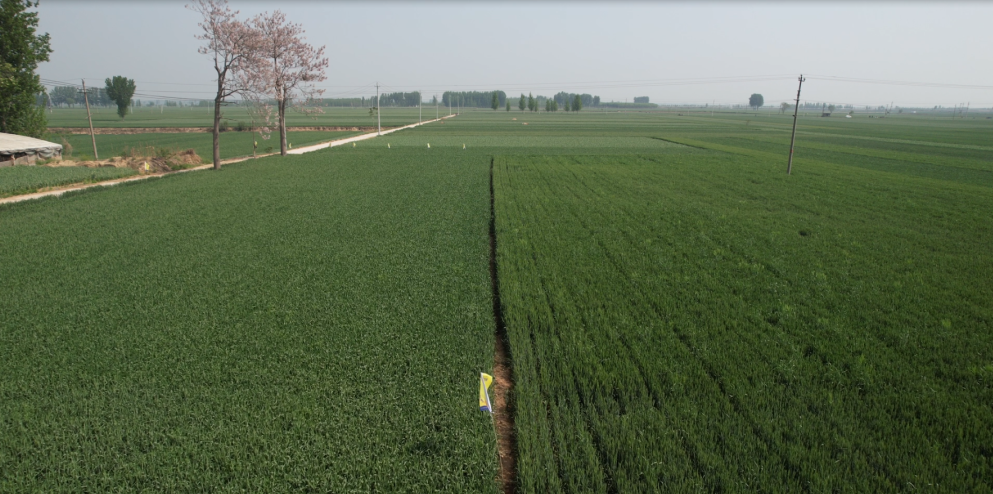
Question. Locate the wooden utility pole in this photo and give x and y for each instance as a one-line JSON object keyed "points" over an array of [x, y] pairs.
{"points": [[86, 98], [379, 126], [789, 167]]}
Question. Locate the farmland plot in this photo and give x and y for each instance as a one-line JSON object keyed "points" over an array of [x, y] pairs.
{"points": [[306, 323], [702, 322]]}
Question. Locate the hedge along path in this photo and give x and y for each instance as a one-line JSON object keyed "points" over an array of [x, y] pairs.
{"points": [[56, 192]]}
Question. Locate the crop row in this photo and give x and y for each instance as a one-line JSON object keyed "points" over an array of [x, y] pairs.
{"points": [[701, 321]]}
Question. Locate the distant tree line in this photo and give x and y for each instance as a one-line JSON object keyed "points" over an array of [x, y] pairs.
{"points": [[641, 99], [623, 105], [563, 98], [473, 99]]}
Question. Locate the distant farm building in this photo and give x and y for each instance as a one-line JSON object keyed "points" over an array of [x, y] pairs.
{"points": [[20, 150]]}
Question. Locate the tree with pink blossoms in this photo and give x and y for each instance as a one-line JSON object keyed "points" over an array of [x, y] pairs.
{"points": [[234, 46], [288, 67]]}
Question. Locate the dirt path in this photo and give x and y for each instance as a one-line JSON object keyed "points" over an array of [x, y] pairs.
{"points": [[339, 142], [58, 191], [191, 130]]}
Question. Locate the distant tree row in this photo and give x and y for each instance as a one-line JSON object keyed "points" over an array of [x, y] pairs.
{"points": [[563, 98], [473, 99], [69, 96], [397, 99]]}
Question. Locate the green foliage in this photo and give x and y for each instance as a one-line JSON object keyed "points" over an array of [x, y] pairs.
{"points": [[120, 89], [531, 103], [338, 350], [665, 329], [496, 101], [756, 100], [577, 103], [508, 105], [21, 50], [16, 180], [616, 104], [641, 99], [64, 95], [681, 314], [522, 104], [472, 99]]}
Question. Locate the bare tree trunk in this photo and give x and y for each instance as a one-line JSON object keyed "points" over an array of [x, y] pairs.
{"points": [[282, 126], [217, 133]]}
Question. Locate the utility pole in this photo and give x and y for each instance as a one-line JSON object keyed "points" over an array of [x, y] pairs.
{"points": [[789, 168], [86, 98], [450, 104], [436, 107], [419, 98], [379, 127]]}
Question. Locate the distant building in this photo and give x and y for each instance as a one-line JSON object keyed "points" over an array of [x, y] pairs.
{"points": [[21, 150]]}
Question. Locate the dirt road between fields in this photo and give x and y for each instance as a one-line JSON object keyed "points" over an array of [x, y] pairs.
{"points": [[58, 191], [191, 130]]}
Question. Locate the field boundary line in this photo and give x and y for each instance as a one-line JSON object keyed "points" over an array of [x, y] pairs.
{"points": [[59, 191]]}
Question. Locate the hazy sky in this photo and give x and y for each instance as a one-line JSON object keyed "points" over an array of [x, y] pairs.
{"points": [[617, 51]]}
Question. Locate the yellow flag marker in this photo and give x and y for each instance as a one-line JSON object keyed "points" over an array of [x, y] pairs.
{"points": [[353, 144], [146, 166], [388, 146], [463, 146], [484, 397], [429, 145]]}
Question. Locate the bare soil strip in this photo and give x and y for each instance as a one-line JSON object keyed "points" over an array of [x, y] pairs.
{"points": [[503, 378], [192, 130]]}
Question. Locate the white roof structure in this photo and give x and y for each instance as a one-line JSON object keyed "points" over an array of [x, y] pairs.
{"points": [[15, 146]]}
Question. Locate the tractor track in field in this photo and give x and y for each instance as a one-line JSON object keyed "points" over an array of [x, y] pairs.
{"points": [[503, 378]]}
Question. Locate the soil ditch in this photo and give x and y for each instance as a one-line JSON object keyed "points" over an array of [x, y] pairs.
{"points": [[503, 377]]}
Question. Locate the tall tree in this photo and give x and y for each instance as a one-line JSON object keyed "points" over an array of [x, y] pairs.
{"points": [[783, 107], [233, 45], [530, 102], [21, 49], [508, 104], [64, 95], [291, 66], [577, 103], [496, 101], [522, 104], [756, 100], [121, 89]]}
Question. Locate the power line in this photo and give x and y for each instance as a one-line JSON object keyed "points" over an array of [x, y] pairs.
{"points": [[898, 83]]}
